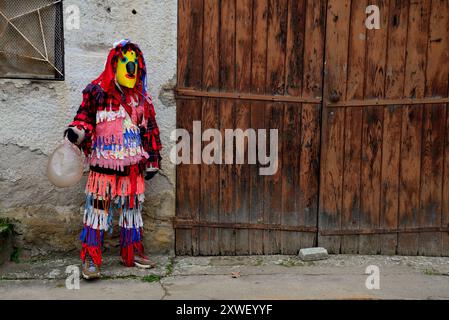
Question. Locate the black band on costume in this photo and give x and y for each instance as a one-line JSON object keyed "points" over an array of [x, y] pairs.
{"points": [[101, 170]]}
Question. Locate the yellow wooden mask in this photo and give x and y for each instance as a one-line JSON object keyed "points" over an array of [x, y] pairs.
{"points": [[127, 66]]}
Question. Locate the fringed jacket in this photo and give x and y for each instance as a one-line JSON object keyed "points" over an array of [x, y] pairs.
{"points": [[119, 128]]}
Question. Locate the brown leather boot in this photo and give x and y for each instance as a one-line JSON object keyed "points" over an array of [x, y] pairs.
{"points": [[142, 261], [90, 270]]}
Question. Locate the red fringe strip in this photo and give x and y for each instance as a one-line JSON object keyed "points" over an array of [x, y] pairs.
{"points": [[94, 252], [128, 252]]}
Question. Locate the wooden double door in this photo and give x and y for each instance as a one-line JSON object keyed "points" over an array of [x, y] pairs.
{"points": [[361, 114]]}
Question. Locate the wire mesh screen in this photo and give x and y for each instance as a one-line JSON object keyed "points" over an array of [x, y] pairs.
{"points": [[31, 39]]}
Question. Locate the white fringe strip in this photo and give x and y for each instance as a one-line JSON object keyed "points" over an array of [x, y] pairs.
{"points": [[110, 115], [96, 219], [131, 219]]}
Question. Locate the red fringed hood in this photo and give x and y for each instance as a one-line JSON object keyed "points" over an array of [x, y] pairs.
{"points": [[107, 79]]}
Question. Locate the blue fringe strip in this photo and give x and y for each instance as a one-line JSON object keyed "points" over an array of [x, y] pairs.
{"points": [[130, 140], [130, 236], [89, 202], [111, 218], [92, 237]]}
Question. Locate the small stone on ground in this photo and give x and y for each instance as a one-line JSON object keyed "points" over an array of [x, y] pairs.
{"points": [[313, 254]]}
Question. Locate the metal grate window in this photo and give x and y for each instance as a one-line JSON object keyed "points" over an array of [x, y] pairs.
{"points": [[31, 39]]}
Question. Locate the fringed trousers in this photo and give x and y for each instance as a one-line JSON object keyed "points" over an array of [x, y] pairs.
{"points": [[106, 195]]}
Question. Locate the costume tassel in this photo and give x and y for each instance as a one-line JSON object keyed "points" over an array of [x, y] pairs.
{"points": [[92, 241], [130, 242]]}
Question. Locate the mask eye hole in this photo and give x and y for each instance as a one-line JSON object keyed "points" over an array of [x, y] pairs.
{"points": [[124, 59], [136, 61]]}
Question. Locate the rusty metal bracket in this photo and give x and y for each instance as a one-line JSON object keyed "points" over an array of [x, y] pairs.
{"points": [[179, 223], [182, 223], [190, 224], [386, 102], [184, 93], [382, 231]]}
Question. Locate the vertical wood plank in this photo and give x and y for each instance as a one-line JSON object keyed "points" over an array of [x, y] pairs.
{"points": [[258, 79], [190, 23], [183, 8], [189, 75], [434, 122], [187, 192], [311, 117], [208, 240], [294, 65], [291, 241], [309, 171], [243, 119], [338, 17], [227, 83], [291, 215], [276, 53], [409, 181], [353, 128], [440, 77], [414, 87], [209, 196], [394, 88], [372, 132], [445, 205], [371, 173]]}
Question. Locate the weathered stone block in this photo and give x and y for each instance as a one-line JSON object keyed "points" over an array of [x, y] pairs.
{"points": [[312, 254]]}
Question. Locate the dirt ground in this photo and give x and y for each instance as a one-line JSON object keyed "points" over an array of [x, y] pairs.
{"points": [[233, 278]]}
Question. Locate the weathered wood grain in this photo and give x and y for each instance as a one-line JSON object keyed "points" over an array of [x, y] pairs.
{"points": [[291, 215], [434, 132], [373, 131], [275, 85], [378, 167], [210, 186], [391, 150], [331, 180], [227, 118], [190, 61], [243, 119], [414, 86], [351, 209], [311, 118]]}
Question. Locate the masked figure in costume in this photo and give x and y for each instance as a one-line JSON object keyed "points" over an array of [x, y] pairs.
{"points": [[115, 126]]}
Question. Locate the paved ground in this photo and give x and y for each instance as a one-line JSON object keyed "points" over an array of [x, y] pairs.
{"points": [[268, 277]]}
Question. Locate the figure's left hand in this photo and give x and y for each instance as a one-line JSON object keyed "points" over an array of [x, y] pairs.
{"points": [[74, 135]]}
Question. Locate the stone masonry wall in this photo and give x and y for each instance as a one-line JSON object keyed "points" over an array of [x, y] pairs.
{"points": [[34, 115]]}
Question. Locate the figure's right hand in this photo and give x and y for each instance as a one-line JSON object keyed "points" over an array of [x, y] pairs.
{"points": [[74, 135]]}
